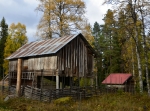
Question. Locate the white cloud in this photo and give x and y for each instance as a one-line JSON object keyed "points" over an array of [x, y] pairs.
{"points": [[96, 11], [31, 2], [9, 2], [31, 34]]}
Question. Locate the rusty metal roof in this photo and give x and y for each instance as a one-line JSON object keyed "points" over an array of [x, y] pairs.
{"points": [[44, 47], [117, 78]]}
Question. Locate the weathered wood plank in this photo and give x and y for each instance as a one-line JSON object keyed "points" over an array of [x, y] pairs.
{"points": [[13, 65]]}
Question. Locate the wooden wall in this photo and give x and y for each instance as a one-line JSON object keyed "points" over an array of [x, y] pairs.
{"points": [[75, 59], [46, 63]]}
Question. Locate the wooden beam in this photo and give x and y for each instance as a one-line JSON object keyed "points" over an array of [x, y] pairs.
{"points": [[18, 85], [57, 81]]}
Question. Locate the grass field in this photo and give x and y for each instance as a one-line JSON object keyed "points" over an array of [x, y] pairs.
{"points": [[105, 102]]}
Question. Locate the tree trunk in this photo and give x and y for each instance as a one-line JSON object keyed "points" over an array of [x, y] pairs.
{"points": [[145, 52], [138, 60], [134, 18], [133, 65]]}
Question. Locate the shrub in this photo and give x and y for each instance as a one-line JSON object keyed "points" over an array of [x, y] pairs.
{"points": [[63, 100], [85, 82]]}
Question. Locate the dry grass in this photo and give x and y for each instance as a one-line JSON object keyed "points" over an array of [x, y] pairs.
{"points": [[105, 102]]}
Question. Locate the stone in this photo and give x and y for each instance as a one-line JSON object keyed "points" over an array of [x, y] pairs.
{"points": [[8, 97]]}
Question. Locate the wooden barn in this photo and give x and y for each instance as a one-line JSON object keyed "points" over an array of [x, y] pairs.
{"points": [[57, 59]]}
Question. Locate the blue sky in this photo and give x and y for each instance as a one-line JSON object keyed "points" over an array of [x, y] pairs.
{"points": [[23, 11]]}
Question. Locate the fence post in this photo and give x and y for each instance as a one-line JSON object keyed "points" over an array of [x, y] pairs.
{"points": [[31, 92], [9, 82], [41, 84], [50, 94], [3, 82], [80, 100]]}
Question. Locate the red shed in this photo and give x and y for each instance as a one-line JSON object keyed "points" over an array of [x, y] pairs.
{"points": [[119, 80]]}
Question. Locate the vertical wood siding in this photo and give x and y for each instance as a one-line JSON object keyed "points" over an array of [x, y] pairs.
{"points": [[75, 59]]}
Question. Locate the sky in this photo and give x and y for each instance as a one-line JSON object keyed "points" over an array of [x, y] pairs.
{"points": [[23, 11]]}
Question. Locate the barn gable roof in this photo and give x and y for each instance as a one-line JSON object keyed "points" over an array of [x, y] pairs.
{"points": [[45, 47], [117, 78]]}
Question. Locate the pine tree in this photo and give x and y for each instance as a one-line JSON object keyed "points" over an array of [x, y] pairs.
{"points": [[3, 37]]}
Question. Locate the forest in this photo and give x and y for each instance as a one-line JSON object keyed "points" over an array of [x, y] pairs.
{"points": [[121, 42]]}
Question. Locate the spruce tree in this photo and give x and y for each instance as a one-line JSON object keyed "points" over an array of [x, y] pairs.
{"points": [[112, 53], [98, 45], [3, 37]]}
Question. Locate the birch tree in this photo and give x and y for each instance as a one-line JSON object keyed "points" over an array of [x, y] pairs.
{"points": [[142, 7]]}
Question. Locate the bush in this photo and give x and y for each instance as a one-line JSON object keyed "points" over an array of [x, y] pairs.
{"points": [[63, 100], [85, 82]]}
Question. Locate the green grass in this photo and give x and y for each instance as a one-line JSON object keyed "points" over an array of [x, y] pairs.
{"points": [[105, 102]]}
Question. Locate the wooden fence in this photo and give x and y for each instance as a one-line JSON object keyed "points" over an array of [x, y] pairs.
{"points": [[51, 94], [48, 95]]}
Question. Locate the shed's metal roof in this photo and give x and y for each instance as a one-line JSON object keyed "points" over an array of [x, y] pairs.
{"points": [[44, 47], [117, 78]]}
